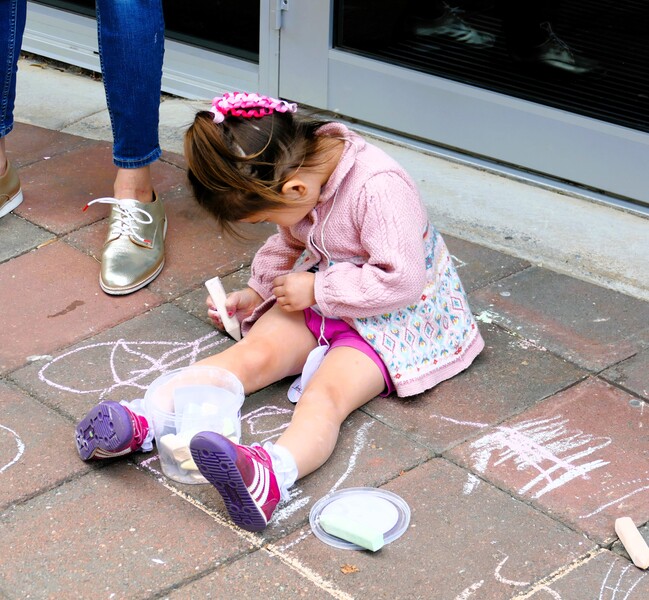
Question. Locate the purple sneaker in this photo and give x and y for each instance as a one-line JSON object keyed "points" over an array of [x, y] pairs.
{"points": [[243, 475], [108, 430]]}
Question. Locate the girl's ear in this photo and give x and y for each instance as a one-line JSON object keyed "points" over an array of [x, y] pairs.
{"points": [[294, 188]]}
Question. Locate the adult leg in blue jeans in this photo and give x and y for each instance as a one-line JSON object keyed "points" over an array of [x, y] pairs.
{"points": [[131, 45], [12, 25]]}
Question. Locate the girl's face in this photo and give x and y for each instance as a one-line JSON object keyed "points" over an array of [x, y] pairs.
{"points": [[285, 217]]}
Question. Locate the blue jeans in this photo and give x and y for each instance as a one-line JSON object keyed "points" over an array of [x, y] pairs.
{"points": [[131, 49]]}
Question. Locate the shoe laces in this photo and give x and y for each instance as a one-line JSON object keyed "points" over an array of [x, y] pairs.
{"points": [[128, 218], [554, 39]]}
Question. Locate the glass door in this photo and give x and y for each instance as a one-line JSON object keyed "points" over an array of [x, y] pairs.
{"points": [[554, 87], [557, 87]]}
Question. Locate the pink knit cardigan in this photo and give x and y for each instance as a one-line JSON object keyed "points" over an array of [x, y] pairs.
{"points": [[368, 235]]}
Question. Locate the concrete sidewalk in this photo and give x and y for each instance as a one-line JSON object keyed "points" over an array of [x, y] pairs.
{"points": [[514, 471]]}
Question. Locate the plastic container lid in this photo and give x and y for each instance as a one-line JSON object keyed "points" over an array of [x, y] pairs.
{"points": [[372, 507]]}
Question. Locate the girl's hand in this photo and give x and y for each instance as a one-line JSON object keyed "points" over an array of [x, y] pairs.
{"points": [[241, 303], [295, 291]]}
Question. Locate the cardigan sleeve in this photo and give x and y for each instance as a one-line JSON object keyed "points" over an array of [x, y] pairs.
{"points": [[391, 221], [276, 257]]}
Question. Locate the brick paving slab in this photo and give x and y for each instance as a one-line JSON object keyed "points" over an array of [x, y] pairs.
{"points": [[119, 533], [261, 574], [591, 326], [33, 456], [30, 144], [602, 576], [51, 299], [480, 545], [120, 363], [632, 374], [568, 456], [59, 188], [18, 236], [367, 454], [479, 266], [505, 379]]}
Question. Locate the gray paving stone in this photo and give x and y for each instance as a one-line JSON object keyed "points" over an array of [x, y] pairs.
{"points": [[262, 574], [481, 545], [506, 378], [600, 575], [586, 324], [115, 532], [36, 447], [18, 236], [632, 374], [479, 266]]}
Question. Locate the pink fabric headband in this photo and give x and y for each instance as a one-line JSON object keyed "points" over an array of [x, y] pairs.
{"points": [[242, 104]]}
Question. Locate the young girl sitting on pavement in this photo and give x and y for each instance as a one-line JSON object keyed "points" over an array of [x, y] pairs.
{"points": [[355, 279]]}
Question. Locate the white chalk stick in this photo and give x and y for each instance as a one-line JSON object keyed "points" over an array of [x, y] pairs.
{"points": [[176, 447], [189, 465], [633, 541], [217, 293]]}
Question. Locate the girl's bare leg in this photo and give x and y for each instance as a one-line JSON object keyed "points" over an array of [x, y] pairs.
{"points": [[346, 380], [276, 347]]}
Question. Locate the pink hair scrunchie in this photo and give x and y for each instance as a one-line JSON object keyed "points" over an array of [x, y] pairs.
{"points": [[243, 104]]}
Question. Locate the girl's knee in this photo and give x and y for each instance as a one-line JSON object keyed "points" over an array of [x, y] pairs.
{"points": [[325, 400], [256, 357]]}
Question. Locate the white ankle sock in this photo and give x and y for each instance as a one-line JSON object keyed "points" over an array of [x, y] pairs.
{"points": [[284, 467], [137, 406]]}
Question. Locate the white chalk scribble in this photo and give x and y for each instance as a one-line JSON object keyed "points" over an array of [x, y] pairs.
{"points": [[619, 589], [544, 445], [130, 364], [20, 448]]}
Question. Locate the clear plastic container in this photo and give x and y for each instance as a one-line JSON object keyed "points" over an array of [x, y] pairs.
{"points": [[186, 401], [373, 507]]}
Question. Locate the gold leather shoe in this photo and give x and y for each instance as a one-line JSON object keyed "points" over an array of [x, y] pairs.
{"points": [[133, 254], [10, 193]]}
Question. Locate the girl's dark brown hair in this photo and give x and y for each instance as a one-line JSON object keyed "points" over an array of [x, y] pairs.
{"points": [[237, 168]]}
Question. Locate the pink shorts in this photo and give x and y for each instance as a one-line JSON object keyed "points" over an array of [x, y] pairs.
{"points": [[339, 333]]}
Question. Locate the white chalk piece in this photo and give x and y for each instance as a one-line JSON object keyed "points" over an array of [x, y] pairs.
{"points": [[353, 531], [175, 446], [189, 465], [218, 295], [632, 541]]}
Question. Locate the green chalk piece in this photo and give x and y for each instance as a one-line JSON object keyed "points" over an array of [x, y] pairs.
{"points": [[352, 531]]}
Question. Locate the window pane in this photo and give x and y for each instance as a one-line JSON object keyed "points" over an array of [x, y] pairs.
{"points": [[590, 58], [230, 28]]}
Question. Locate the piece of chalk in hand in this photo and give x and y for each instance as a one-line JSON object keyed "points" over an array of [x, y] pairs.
{"points": [[352, 531], [218, 295], [632, 541]]}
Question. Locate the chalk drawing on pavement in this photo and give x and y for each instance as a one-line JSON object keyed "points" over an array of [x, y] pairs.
{"points": [[151, 358], [547, 446], [14, 441]]}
